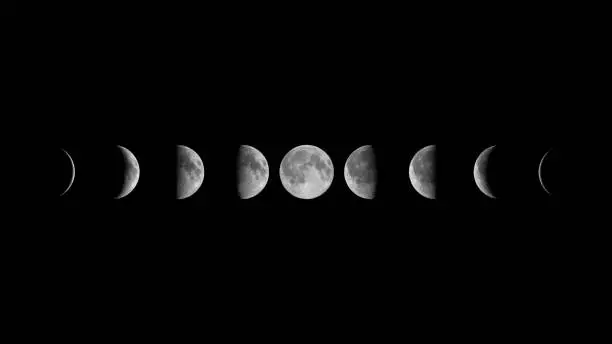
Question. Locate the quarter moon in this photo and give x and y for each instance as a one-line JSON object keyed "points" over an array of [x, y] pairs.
{"points": [[190, 172], [73, 173], [480, 168], [131, 174], [540, 172]]}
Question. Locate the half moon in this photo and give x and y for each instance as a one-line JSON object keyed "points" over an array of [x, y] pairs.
{"points": [[190, 172], [540, 173], [480, 168], [132, 172], [73, 173]]}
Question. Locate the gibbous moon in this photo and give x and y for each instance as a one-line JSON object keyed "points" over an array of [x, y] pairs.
{"points": [[360, 172], [252, 172], [132, 172], [72, 173], [423, 173], [190, 172], [306, 172], [540, 173], [480, 172]]}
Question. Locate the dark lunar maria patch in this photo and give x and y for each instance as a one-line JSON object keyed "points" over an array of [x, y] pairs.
{"points": [[363, 175], [185, 163], [131, 168], [299, 156], [247, 159], [319, 164]]}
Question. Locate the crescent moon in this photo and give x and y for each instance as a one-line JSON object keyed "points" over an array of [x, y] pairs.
{"points": [[479, 178], [73, 173], [130, 180], [424, 188], [361, 189], [540, 172]]}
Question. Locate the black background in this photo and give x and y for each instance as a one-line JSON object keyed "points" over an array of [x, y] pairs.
{"points": [[7, 8], [399, 94]]}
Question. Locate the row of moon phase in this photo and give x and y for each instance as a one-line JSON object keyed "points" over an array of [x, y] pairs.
{"points": [[306, 172]]}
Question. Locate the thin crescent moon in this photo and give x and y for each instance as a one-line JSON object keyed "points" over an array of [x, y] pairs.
{"points": [[129, 188], [481, 182], [73, 173], [540, 172]]}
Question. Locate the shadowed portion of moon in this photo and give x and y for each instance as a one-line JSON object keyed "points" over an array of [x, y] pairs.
{"points": [[251, 172], [481, 169], [69, 171], [306, 172], [423, 172], [360, 172], [190, 172], [131, 172]]}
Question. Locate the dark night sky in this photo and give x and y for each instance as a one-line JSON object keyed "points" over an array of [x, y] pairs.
{"points": [[149, 98], [7, 7]]}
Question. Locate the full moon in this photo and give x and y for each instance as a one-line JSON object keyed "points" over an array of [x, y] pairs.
{"points": [[71, 174], [480, 172], [132, 172], [422, 172], [252, 172], [306, 172], [360, 172], [190, 172]]}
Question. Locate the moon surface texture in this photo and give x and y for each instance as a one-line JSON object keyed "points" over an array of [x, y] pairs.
{"points": [[252, 172], [423, 173], [360, 172], [72, 172], [131, 174], [190, 172], [481, 172], [306, 172]]}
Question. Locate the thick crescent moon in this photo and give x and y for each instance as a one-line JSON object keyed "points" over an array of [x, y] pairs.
{"points": [[540, 172], [479, 178], [73, 173], [425, 189], [361, 189], [130, 181]]}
